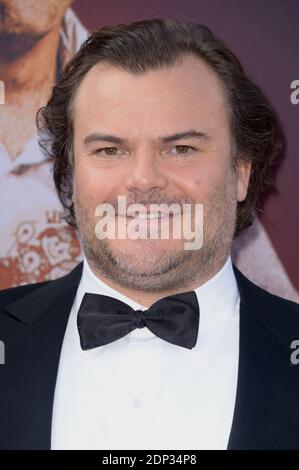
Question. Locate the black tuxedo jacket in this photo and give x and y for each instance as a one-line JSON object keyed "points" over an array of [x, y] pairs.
{"points": [[33, 319]]}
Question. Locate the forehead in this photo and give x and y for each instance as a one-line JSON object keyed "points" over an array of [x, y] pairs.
{"points": [[186, 90]]}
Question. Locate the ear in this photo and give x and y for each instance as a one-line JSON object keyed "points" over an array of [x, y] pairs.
{"points": [[243, 175]]}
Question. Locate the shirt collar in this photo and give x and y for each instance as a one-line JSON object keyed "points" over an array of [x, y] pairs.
{"points": [[30, 155], [219, 301]]}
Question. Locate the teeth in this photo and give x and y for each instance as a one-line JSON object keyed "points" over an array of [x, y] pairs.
{"points": [[150, 215]]}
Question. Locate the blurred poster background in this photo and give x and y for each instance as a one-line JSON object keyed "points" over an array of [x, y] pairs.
{"points": [[37, 38]]}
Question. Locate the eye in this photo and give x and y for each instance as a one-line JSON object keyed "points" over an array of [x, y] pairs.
{"points": [[107, 151], [183, 149]]}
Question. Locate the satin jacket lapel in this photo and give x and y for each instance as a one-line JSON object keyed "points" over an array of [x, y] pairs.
{"points": [[33, 332], [266, 410]]}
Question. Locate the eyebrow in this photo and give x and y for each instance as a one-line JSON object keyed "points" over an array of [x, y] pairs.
{"points": [[97, 137]]}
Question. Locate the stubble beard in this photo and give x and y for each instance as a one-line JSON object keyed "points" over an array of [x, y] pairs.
{"points": [[176, 268]]}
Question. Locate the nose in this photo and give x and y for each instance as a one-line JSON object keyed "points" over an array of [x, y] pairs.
{"points": [[145, 173]]}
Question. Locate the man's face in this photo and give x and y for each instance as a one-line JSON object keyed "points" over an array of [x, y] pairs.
{"points": [[30, 17], [142, 111]]}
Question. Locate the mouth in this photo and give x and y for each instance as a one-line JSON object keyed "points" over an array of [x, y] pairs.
{"points": [[148, 216]]}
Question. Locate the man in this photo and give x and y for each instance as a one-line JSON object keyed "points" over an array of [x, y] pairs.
{"points": [[147, 344], [36, 244]]}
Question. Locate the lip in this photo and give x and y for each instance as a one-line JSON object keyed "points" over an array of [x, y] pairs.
{"points": [[142, 213], [149, 209], [160, 216]]}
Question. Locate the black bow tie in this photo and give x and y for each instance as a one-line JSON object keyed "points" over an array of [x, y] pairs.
{"points": [[102, 319]]}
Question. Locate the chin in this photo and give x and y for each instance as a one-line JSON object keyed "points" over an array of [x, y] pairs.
{"points": [[149, 251], [143, 256]]}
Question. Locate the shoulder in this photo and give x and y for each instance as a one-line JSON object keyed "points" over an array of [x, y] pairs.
{"points": [[252, 291], [41, 292], [279, 314], [14, 293]]}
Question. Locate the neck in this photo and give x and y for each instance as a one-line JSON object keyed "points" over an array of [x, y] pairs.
{"points": [[148, 298]]}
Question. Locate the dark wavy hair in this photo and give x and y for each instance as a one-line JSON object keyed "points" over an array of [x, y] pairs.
{"points": [[153, 44]]}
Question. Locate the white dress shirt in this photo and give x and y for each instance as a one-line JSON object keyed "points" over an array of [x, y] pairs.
{"points": [[141, 392]]}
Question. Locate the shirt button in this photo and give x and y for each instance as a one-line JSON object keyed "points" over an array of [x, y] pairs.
{"points": [[137, 403]]}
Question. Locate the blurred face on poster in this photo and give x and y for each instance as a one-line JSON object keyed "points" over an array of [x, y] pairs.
{"points": [[30, 17]]}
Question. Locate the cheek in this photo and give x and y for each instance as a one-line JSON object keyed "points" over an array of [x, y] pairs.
{"points": [[199, 184], [214, 189], [90, 186]]}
